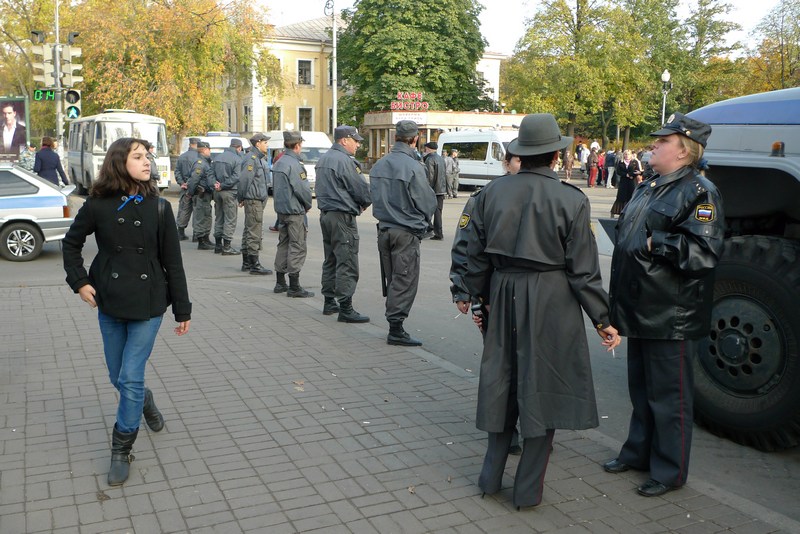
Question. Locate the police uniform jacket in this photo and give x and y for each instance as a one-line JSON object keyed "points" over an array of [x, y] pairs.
{"points": [[201, 177], [436, 169], [291, 191], [183, 167], [401, 195], [253, 177], [666, 293], [340, 186], [138, 270], [527, 249], [226, 169]]}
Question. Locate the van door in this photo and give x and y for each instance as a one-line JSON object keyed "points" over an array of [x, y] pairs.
{"points": [[494, 161]]}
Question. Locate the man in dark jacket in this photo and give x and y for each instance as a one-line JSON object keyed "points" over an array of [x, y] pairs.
{"points": [[226, 206], [200, 188], [403, 203], [14, 134], [437, 178], [183, 169], [252, 193]]}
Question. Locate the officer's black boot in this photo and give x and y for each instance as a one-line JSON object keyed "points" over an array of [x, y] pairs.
{"points": [[330, 307], [398, 336], [295, 289], [246, 262], [204, 244], [348, 315], [280, 283], [182, 234], [228, 250], [256, 267], [152, 416], [121, 457], [217, 245]]}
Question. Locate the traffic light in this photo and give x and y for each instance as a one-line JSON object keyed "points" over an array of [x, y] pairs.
{"points": [[69, 55], [73, 98], [43, 56]]}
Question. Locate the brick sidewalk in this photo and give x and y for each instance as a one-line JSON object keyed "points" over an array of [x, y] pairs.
{"points": [[280, 419]]}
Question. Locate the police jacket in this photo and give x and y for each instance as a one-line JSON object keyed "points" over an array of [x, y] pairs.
{"points": [[183, 167], [138, 270], [340, 185], [666, 292], [201, 177], [253, 177], [437, 177], [226, 169], [290, 189], [401, 195]]}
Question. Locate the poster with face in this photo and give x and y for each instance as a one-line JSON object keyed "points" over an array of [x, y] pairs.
{"points": [[14, 133]]}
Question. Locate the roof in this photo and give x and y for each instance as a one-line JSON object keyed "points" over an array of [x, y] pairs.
{"points": [[308, 30], [774, 107]]}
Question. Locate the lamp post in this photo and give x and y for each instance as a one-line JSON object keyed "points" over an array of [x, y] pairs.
{"points": [[666, 86], [334, 74]]}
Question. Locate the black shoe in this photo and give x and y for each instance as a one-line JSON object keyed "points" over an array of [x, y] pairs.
{"points": [[437, 238], [204, 244], [121, 457], [330, 307], [273, 228], [403, 339], [228, 250], [152, 416], [515, 450], [182, 234], [256, 267], [615, 466], [280, 283], [348, 315], [653, 488], [217, 246]]}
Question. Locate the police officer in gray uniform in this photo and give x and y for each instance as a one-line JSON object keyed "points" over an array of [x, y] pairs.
{"points": [[435, 168], [226, 207], [342, 195], [183, 169], [403, 203], [201, 187], [252, 193], [292, 195]]}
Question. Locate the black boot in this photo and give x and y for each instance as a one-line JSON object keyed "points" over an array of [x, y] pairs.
{"points": [[153, 417], [217, 245], [246, 262], [348, 315], [330, 307], [204, 244], [256, 267], [295, 289], [228, 250], [280, 283], [182, 234], [121, 457], [398, 336]]}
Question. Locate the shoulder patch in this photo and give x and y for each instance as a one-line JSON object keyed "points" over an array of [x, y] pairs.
{"points": [[249, 167], [199, 171], [303, 175], [705, 212], [463, 221]]}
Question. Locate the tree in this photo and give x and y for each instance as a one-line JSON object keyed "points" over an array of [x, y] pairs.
{"points": [[428, 46], [777, 57]]}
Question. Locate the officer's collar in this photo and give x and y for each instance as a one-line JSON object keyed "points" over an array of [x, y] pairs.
{"points": [[542, 171], [658, 180]]}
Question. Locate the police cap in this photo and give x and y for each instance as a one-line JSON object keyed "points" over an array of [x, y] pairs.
{"points": [[678, 123], [203, 144], [406, 129], [292, 136], [343, 132]]}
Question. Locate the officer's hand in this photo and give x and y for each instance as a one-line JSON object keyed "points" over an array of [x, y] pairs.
{"points": [[217, 186], [649, 244], [184, 185], [610, 337], [463, 306], [241, 204]]}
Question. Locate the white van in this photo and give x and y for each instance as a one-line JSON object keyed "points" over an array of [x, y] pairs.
{"points": [[315, 144], [480, 153], [219, 141]]}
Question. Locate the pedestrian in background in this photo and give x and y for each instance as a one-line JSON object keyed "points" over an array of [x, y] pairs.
{"points": [[47, 164], [151, 155], [226, 207], [531, 261], [201, 189], [437, 178], [136, 274], [252, 193], [452, 169], [292, 195], [610, 164], [628, 172], [27, 158], [668, 242], [403, 203], [183, 169], [342, 195]]}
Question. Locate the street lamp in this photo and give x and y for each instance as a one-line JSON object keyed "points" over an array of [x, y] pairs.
{"points": [[331, 10], [666, 86]]}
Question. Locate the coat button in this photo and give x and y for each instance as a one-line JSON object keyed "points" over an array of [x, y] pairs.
{"points": [[143, 277], [120, 220], [114, 275], [137, 223], [119, 248], [140, 250]]}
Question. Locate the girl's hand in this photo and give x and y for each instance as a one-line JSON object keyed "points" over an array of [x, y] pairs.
{"points": [[182, 328], [87, 294]]}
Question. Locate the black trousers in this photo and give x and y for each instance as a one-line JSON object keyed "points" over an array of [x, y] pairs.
{"points": [[437, 216], [661, 388]]}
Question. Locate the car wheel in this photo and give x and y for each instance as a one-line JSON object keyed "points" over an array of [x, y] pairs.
{"points": [[20, 242]]}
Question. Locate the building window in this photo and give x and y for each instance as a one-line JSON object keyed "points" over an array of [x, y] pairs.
{"points": [[304, 76], [331, 126], [246, 118], [305, 119], [273, 118]]}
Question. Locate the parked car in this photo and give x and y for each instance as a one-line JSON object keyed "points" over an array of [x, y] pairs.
{"points": [[219, 141], [33, 211]]}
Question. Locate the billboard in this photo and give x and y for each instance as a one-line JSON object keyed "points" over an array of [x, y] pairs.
{"points": [[14, 119]]}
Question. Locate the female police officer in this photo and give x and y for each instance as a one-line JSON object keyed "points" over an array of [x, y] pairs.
{"points": [[669, 239]]}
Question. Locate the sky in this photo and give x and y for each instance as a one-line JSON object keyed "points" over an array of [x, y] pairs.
{"points": [[503, 24]]}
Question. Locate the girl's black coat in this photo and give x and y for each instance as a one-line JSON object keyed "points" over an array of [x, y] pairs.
{"points": [[138, 270]]}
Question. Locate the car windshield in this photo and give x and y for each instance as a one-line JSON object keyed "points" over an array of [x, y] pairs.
{"points": [[312, 154]]}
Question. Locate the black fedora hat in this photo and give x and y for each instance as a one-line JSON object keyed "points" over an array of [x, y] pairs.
{"points": [[538, 134]]}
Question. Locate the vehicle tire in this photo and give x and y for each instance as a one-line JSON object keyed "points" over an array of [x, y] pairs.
{"points": [[747, 373], [20, 241]]}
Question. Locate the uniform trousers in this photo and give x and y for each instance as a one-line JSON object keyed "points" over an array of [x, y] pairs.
{"points": [[437, 216], [185, 206], [226, 211], [452, 184], [201, 218], [292, 246], [340, 243], [661, 388], [399, 254], [253, 226]]}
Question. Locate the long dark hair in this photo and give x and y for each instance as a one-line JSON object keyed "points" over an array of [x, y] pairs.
{"points": [[114, 177]]}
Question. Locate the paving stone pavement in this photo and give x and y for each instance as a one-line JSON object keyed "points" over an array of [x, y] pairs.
{"points": [[282, 420]]}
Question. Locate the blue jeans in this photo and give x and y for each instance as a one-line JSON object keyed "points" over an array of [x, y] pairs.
{"points": [[127, 346]]}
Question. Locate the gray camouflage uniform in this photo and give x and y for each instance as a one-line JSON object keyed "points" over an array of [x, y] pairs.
{"points": [[183, 168], [201, 186], [226, 206], [252, 192], [292, 195]]}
